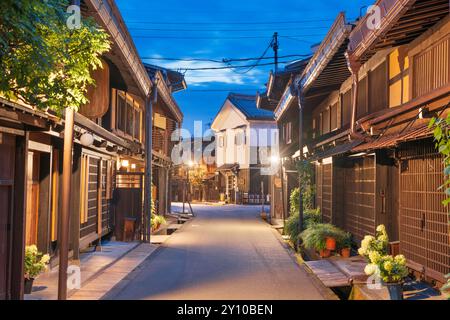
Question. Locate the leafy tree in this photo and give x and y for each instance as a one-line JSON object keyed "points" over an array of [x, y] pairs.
{"points": [[442, 137], [44, 63]]}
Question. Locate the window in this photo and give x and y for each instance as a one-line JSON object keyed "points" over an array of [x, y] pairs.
{"points": [[129, 116], [334, 117], [240, 138], [326, 121], [221, 141], [346, 107], [287, 132], [378, 99], [398, 79], [84, 188]]}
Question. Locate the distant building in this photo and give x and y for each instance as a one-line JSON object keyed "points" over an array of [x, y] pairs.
{"points": [[242, 133]]}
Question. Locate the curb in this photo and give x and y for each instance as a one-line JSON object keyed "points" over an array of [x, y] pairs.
{"points": [[102, 269], [326, 292]]}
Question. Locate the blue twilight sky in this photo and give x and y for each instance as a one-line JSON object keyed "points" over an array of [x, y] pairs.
{"points": [[217, 29]]}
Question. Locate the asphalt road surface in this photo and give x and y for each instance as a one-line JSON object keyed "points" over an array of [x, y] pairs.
{"points": [[226, 252]]}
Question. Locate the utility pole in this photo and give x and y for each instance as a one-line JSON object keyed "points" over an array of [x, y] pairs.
{"points": [[275, 47], [66, 191]]}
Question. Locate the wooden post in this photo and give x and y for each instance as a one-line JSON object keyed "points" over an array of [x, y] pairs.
{"points": [[19, 217], [65, 206]]}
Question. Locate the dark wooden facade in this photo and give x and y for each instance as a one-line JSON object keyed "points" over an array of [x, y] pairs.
{"points": [[31, 144], [380, 166], [384, 168]]}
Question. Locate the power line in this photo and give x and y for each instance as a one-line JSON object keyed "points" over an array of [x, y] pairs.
{"points": [[224, 90], [224, 60], [233, 67], [222, 38], [229, 22], [225, 30]]}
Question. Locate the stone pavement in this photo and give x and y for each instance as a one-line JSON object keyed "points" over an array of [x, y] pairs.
{"points": [[102, 283], [91, 262]]}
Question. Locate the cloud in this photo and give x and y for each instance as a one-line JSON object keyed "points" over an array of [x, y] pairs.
{"points": [[203, 77]]}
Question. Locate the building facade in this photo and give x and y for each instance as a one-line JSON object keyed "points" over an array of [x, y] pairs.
{"points": [[367, 96], [245, 137]]}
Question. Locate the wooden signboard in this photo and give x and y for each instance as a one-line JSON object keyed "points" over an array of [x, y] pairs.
{"points": [[98, 94]]}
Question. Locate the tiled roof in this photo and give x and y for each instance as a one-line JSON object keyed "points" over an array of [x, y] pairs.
{"points": [[247, 105]]}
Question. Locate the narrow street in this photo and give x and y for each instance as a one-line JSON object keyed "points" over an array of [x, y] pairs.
{"points": [[227, 252]]}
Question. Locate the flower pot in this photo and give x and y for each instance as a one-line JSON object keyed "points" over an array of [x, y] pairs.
{"points": [[346, 252], [331, 243], [28, 285], [324, 253], [395, 290]]}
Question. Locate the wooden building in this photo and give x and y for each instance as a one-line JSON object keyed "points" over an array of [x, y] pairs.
{"points": [[278, 98], [167, 117], [108, 165], [367, 97]]}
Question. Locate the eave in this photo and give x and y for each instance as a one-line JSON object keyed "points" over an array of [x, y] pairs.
{"points": [[108, 16], [166, 94], [330, 49], [401, 22]]}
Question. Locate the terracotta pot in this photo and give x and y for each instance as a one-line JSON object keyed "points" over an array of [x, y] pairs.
{"points": [[28, 285], [346, 252], [324, 253], [331, 243]]}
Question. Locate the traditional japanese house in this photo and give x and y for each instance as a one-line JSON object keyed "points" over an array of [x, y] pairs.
{"points": [[278, 98], [107, 160], [167, 117], [242, 132], [376, 161]]}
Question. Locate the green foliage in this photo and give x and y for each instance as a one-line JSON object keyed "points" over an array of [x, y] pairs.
{"points": [[44, 63], [315, 236], [446, 288], [442, 137], [35, 262], [306, 174], [345, 241], [310, 217]]}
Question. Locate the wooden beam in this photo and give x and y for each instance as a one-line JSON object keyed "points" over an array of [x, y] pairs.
{"points": [[19, 217]]}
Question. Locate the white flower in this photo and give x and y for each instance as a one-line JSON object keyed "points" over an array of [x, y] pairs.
{"points": [[381, 228], [370, 269]]}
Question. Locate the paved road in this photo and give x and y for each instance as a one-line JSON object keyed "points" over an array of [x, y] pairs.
{"points": [[227, 252]]}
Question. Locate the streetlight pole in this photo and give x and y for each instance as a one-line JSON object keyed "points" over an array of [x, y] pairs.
{"points": [[300, 142], [147, 221]]}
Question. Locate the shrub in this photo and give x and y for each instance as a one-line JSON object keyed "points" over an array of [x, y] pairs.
{"points": [[315, 236], [311, 217], [35, 262]]}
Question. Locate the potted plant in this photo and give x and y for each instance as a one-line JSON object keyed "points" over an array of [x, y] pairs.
{"points": [[315, 237], [378, 243], [391, 270], [345, 245], [35, 264]]}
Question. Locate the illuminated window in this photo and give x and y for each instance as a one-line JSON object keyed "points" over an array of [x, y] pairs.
{"points": [[398, 80]]}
